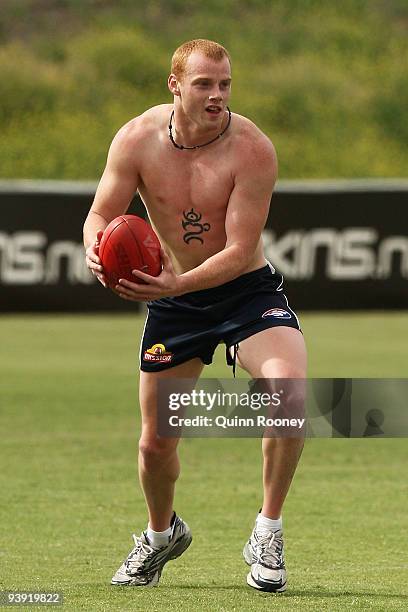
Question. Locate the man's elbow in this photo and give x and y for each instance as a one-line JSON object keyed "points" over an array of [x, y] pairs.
{"points": [[243, 255]]}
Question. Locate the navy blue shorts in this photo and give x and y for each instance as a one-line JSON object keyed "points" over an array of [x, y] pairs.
{"points": [[180, 328]]}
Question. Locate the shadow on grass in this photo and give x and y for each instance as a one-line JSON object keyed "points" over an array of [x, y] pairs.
{"points": [[317, 592], [311, 592]]}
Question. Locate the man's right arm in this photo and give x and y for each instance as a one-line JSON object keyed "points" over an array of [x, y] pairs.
{"points": [[115, 191]]}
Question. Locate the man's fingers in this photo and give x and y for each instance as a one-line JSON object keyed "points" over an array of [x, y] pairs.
{"points": [[131, 294], [132, 299], [94, 265], [97, 242], [101, 280], [93, 261], [123, 290], [90, 253], [145, 277]]}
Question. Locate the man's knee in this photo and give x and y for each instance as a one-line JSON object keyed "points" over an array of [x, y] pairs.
{"points": [[289, 411], [283, 369], [156, 452]]}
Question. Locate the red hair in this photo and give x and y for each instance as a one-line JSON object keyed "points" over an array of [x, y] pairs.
{"points": [[208, 48]]}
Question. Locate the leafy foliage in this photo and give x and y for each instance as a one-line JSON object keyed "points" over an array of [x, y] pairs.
{"points": [[326, 81]]}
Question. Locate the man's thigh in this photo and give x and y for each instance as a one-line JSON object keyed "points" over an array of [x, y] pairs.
{"points": [[148, 386], [276, 352]]}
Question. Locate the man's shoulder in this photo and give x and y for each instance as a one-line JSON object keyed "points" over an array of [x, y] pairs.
{"points": [[144, 125], [252, 143]]}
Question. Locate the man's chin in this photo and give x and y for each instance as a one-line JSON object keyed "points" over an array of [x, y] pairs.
{"points": [[214, 120]]}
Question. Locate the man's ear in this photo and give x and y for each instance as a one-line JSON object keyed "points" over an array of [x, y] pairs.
{"points": [[173, 85]]}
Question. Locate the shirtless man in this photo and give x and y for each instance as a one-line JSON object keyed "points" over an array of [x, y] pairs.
{"points": [[206, 178]]}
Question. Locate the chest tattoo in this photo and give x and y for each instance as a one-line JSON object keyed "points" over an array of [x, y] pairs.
{"points": [[192, 226]]}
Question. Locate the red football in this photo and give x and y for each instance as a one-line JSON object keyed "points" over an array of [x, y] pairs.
{"points": [[129, 243]]}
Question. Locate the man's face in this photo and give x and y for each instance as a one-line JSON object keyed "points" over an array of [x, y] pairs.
{"points": [[205, 89]]}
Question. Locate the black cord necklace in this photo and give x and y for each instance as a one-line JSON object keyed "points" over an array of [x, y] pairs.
{"points": [[178, 146]]}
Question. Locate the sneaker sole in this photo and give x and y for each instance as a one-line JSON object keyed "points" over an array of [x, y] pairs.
{"points": [[153, 583], [265, 587]]}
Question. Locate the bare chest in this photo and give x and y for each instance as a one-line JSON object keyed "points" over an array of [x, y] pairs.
{"points": [[179, 181]]}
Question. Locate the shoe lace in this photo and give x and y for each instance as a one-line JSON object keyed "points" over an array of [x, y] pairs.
{"points": [[138, 554], [268, 550]]}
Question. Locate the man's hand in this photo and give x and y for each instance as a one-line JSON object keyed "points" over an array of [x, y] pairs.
{"points": [[167, 284], [93, 261]]}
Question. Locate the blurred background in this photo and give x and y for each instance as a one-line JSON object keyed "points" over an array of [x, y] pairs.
{"points": [[328, 83]]}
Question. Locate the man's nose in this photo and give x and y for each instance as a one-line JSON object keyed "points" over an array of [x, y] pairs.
{"points": [[215, 94]]}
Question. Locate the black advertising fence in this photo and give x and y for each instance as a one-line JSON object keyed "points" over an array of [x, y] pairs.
{"points": [[339, 245], [42, 265]]}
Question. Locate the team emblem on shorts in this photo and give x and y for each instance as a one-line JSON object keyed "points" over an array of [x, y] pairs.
{"points": [[158, 353], [278, 313]]}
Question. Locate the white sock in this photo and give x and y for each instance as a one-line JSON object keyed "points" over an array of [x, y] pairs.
{"points": [[263, 522], [158, 538]]}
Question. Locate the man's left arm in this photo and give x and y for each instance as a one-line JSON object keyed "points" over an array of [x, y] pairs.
{"points": [[246, 216]]}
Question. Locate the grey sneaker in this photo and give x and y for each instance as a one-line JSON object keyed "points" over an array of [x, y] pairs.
{"points": [[264, 553], [144, 564]]}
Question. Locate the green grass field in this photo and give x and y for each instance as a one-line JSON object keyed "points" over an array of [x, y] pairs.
{"points": [[70, 499]]}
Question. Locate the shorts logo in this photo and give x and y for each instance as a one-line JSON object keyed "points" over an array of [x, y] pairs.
{"points": [[278, 313], [158, 353]]}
